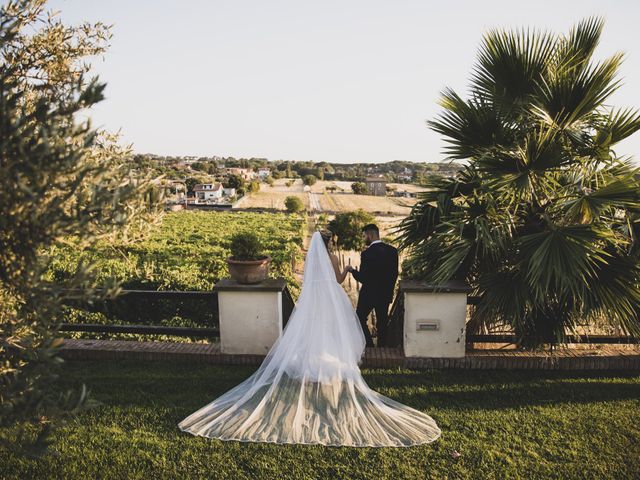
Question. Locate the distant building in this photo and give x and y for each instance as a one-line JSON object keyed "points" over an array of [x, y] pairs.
{"points": [[406, 175], [376, 185], [206, 192], [245, 173], [229, 192], [264, 172]]}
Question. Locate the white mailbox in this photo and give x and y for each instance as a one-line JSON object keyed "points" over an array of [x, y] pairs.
{"points": [[434, 319]]}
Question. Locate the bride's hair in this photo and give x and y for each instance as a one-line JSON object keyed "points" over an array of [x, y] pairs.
{"points": [[327, 235]]}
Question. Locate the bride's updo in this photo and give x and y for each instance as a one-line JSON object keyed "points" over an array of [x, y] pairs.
{"points": [[326, 235]]}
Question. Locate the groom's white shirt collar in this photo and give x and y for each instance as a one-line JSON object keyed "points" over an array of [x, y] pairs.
{"points": [[375, 241]]}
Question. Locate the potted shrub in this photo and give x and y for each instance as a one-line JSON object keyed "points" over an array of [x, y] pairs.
{"points": [[247, 264]]}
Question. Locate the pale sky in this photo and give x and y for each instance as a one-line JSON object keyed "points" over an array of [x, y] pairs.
{"points": [[324, 80]]}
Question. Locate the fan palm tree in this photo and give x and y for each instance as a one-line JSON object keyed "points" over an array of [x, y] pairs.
{"points": [[543, 220]]}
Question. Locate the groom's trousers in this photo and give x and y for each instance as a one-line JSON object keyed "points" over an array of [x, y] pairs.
{"points": [[382, 319]]}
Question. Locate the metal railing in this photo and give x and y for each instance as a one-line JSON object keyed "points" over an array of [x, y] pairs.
{"points": [[141, 329], [135, 303], [395, 328]]}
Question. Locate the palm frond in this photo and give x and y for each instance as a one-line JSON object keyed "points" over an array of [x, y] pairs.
{"points": [[620, 193], [469, 127], [575, 50], [614, 293], [418, 225], [510, 66], [617, 126], [569, 95], [452, 259], [435, 204], [504, 297], [562, 259], [541, 150]]}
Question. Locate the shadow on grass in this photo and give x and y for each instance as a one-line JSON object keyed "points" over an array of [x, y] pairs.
{"points": [[192, 386], [516, 396], [501, 389]]}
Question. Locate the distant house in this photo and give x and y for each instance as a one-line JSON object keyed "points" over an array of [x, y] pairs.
{"points": [[245, 173], [406, 175], [205, 192], [264, 172], [376, 186], [229, 192]]}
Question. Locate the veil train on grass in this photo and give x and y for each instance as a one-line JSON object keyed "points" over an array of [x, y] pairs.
{"points": [[309, 389]]}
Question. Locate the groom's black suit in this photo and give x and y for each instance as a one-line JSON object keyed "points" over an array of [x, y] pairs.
{"points": [[378, 274]]}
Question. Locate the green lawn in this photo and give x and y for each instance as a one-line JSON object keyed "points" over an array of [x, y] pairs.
{"points": [[523, 424]]}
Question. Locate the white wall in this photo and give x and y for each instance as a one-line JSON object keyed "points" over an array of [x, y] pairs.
{"points": [[448, 310], [250, 322]]}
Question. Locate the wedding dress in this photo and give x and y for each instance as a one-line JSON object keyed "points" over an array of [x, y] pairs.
{"points": [[309, 389]]}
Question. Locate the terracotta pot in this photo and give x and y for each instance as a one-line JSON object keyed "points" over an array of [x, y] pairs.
{"points": [[249, 271]]}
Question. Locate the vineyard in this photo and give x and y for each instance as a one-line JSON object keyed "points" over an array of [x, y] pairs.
{"points": [[187, 251]]}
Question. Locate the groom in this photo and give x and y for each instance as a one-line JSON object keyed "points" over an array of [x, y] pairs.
{"points": [[378, 274]]}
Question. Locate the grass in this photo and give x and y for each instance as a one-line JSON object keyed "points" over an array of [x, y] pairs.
{"points": [[505, 424]]}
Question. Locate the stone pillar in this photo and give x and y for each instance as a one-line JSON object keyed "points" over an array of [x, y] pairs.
{"points": [[434, 319], [251, 316]]}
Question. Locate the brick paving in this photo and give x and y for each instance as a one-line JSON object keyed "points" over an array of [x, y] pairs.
{"points": [[610, 357]]}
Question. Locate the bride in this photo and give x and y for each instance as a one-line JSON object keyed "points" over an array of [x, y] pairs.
{"points": [[309, 389]]}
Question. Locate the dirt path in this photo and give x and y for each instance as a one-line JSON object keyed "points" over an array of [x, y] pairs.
{"points": [[314, 202]]}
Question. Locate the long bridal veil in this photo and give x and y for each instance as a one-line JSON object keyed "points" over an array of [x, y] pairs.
{"points": [[309, 389]]}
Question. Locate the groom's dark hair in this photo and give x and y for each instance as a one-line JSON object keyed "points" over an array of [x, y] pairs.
{"points": [[371, 227]]}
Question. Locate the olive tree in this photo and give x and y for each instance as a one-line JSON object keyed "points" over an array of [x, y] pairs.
{"points": [[60, 181]]}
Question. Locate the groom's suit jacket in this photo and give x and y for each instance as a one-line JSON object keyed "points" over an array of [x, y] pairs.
{"points": [[378, 273]]}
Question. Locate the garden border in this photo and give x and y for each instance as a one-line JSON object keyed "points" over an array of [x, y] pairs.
{"points": [[606, 358]]}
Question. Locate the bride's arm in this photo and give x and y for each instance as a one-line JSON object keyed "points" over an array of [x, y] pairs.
{"points": [[340, 276]]}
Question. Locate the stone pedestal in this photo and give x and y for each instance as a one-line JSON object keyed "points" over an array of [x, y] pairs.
{"points": [[251, 316], [434, 319]]}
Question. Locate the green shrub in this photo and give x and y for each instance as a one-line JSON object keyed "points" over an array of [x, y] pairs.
{"points": [[359, 188], [293, 204], [253, 187], [347, 226], [309, 180], [246, 246]]}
